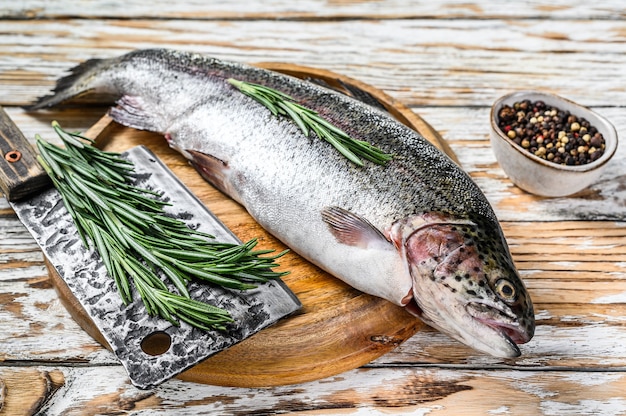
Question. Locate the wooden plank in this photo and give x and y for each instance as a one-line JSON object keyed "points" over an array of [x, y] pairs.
{"points": [[419, 62], [418, 391], [26, 391], [316, 9]]}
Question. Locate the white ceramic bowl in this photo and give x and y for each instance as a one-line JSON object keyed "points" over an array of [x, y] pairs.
{"points": [[539, 176]]}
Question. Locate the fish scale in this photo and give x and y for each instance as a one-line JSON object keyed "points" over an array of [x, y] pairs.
{"points": [[370, 226]]}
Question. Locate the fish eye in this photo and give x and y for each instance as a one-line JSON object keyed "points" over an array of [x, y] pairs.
{"points": [[506, 290]]}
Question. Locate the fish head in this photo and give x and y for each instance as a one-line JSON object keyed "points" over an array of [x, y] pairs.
{"points": [[464, 281]]}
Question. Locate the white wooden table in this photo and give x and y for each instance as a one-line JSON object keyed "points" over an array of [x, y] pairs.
{"points": [[448, 61]]}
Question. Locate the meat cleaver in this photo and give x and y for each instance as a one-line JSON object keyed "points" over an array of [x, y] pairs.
{"points": [[128, 329]]}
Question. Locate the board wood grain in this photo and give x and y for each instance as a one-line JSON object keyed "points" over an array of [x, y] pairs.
{"points": [[338, 329]]}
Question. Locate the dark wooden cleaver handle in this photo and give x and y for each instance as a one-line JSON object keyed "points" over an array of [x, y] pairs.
{"points": [[20, 173]]}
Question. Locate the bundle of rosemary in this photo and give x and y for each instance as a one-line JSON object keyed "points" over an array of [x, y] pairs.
{"points": [[139, 243], [309, 120]]}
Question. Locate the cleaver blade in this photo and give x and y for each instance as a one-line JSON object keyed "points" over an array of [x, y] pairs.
{"points": [[128, 329]]}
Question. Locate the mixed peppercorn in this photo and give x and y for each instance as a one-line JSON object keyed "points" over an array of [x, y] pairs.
{"points": [[550, 133]]}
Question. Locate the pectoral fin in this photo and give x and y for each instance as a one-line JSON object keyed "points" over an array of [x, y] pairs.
{"points": [[387, 274], [353, 230], [214, 170]]}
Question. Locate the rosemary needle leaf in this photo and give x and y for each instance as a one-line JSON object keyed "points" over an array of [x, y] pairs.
{"points": [[179, 280], [66, 137], [146, 292], [76, 183], [293, 114], [114, 229], [52, 164], [121, 281], [213, 277], [268, 258], [269, 91], [193, 304], [331, 129], [131, 213], [145, 274], [196, 313], [184, 255], [337, 145], [267, 102], [92, 184], [96, 235], [108, 174], [140, 249]]}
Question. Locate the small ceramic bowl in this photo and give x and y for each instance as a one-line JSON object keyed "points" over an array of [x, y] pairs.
{"points": [[539, 176]]}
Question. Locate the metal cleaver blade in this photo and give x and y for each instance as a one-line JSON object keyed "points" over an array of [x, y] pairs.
{"points": [[128, 329]]}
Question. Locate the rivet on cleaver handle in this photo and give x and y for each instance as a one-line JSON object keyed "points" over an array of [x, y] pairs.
{"points": [[20, 173]]}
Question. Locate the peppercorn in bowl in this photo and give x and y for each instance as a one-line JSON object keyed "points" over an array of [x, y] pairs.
{"points": [[548, 145]]}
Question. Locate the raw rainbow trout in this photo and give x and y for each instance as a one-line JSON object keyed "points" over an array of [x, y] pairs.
{"points": [[416, 231]]}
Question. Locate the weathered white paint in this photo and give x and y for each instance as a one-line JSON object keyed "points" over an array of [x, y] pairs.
{"points": [[242, 9], [449, 60], [379, 391], [618, 298], [612, 407]]}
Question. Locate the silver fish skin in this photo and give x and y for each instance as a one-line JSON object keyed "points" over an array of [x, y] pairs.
{"points": [[416, 231]]}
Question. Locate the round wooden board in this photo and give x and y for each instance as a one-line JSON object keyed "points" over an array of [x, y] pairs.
{"points": [[338, 328]]}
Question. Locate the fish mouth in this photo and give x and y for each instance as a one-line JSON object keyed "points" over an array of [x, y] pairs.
{"points": [[505, 326], [512, 332]]}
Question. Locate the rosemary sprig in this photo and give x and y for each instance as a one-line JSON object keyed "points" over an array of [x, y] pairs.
{"points": [[139, 244], [309, 120]]}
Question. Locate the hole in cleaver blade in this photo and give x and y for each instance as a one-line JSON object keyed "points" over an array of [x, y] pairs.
{"points": [[151, 349]]}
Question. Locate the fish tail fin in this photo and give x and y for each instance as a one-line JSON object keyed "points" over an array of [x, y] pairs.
{"points": [[84, 81]]}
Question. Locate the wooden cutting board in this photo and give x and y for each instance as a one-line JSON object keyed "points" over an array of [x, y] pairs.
{"points": [[338, 328]]}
